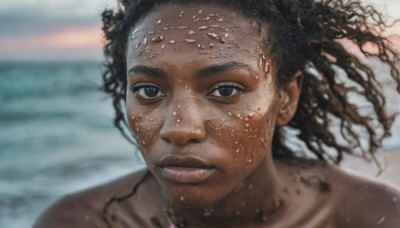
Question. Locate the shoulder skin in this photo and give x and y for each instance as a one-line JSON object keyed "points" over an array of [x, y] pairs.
{"points": [[84, 209]]}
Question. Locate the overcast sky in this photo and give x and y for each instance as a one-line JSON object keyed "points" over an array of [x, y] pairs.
{"points": [[69, 29]]}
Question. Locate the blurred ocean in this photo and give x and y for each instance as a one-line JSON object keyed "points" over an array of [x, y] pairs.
{"points": [[57, 136]]}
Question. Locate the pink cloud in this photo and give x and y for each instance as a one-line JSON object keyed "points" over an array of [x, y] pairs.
{"points": [[70, 37]]}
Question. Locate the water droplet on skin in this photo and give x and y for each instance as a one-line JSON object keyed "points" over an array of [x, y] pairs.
{"points": [[249, 161], [251, 187], [144, 143], [145, 40], [159, 21], [196, 19], [157, 38], [238, 212], [163, 46], [247, 125], [394, 199], [204, 27], [138, 45], [381, 221], [178, 120], [215, 26], [151, 32], [182, 198], [191, 32], [190, 41], [220, 19], [181, 14], [200, 11], [174, 113], [200, 46], [165, 28], [211, 45], [211, 15], [181, 27], [172, 41], [226, 35], [206, 18], [229, 113]]}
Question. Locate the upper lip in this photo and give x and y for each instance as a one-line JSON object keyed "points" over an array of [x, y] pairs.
{"points": [[184, 162]]}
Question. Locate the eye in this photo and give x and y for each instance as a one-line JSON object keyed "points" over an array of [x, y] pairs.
{"points": [[227, 89], [147, 92]]}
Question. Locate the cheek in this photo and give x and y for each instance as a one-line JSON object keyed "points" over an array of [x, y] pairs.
{"points": [[145, 125], [246, 135]]}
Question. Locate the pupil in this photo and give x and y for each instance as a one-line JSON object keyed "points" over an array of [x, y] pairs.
{"points": [[225, 91], [151, 91]]}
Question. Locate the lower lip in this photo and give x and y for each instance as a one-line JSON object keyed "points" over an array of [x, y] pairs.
{"points": [[186, 175]]}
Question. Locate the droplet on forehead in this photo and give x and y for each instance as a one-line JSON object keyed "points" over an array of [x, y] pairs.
{"points": [[172, 41], [159, 21], [157, 38], [190, 40], [165, 28], [181, 27], [163, 46], [206, 18], [200, 11], [204, 27], [196, 19]]}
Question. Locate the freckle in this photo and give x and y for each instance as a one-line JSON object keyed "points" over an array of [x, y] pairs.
{"points": [[159, 21], [190, 40], [204, 27], [181, 27], [191, 32]]}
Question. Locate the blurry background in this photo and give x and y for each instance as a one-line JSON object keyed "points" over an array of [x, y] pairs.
{"points": [[56, 132]]}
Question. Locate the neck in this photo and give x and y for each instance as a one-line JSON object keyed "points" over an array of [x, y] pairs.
{"points": [[258, 199]]}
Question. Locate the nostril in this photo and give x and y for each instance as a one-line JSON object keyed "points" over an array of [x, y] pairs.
{"points": [[166, 140]]}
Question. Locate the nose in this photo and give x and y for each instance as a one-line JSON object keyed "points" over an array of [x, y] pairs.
{"points": [[183, 125]]}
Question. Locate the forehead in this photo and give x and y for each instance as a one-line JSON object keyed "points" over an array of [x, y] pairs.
{"points": [[187, 33]]}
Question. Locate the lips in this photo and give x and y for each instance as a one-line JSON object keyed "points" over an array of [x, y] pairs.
{"points": [[187, 170]]}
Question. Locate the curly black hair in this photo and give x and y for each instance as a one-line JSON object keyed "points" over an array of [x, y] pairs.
{"points": [[305, 35]]}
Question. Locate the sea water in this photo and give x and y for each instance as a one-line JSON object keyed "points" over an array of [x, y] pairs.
{"points": [[57, 136]]}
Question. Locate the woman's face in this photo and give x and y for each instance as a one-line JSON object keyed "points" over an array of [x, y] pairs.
{"points": [[202, 100]]}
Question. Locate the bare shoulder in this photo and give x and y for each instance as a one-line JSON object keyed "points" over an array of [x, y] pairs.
{"points": [[364, 202], [84, 209]]}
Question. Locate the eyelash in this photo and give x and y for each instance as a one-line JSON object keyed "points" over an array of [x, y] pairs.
{"points": [[138, 90], [231, 85]]}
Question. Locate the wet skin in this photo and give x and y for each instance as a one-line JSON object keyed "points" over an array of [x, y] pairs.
{"points": [[204, 115], [216, 103]]}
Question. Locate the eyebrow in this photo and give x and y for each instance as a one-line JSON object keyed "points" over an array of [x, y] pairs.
{"points": [[150, 71], [219, 68], [207, 71]]}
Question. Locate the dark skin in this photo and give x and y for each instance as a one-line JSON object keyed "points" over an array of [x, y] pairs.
{"points": [[219, 103]]}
